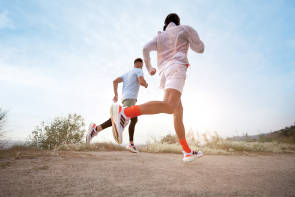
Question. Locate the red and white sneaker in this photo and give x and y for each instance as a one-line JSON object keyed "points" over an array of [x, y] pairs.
{"points": [[91, 132], [132, 148], [188, 157], [119, 122]]}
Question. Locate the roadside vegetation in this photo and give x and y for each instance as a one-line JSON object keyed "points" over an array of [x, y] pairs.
{"points": [[214, 144], [67, 134], [3, 117], [62, 130]]}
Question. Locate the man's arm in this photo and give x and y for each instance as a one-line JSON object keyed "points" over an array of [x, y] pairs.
{"points": [[115, 85], [142, 81], [151, 46], [194, 40]]}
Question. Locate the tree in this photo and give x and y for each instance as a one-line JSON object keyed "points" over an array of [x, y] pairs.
{"points": [[3, 115], [63, 130]]}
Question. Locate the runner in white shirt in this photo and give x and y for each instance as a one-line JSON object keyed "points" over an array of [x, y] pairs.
{"points": [[172, 46]]}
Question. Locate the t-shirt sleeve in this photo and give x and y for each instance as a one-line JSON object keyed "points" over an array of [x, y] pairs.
{"points": [[194, 40], [139, 72], [123, 77], [151, 46]]}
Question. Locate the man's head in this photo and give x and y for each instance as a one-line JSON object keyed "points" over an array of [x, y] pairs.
{"points": [[171, 18], [138, 63]]}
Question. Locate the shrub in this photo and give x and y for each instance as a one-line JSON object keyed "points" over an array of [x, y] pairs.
{"points": [[63, 130], [104, 146], [169, 139], [3, 115]]}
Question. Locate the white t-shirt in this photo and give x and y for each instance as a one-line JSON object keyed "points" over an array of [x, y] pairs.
{"points": [[131, 83]]}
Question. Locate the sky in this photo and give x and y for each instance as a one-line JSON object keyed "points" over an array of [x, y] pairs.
{"points": [[60, 57]]}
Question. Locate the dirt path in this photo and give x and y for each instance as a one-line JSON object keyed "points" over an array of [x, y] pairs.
{"points": [[146, 174]]}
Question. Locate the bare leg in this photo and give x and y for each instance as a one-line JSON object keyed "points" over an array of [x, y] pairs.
{"points": [[104, 125], [98, 128], [171, 104], [132, 128], [168, 105], [178, 122]]}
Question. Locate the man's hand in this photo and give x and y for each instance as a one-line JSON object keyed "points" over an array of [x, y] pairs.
{"points": [[142, 81], [153, 71], [115, 99]]}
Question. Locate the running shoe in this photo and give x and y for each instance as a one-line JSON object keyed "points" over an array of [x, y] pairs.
{"points": [[132, 148], [91, 132], [119, 122], [187, 157]]}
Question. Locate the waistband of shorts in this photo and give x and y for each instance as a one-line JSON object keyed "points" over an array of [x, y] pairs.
{"points": [[167, 64]]}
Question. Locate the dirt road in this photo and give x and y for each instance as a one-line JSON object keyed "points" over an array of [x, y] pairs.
{"points": [[146, 174]]}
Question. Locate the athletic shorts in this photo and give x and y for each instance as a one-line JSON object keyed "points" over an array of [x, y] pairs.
{"points": [[173, 76], [129, 102]]}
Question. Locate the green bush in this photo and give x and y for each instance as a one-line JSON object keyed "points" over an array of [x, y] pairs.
{"points": [[63, 130]]}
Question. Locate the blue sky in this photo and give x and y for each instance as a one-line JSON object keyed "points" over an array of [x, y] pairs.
{"points": [[60, 57]]}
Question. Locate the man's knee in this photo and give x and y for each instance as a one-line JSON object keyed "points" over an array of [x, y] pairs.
{"points": [[178, 111], [171, 108]]}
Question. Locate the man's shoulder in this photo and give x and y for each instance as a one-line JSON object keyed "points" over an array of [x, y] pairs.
{"points": [[136, 71], [187, 28]]}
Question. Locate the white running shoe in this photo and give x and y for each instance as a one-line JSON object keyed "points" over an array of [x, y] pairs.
{"points": [[119, 122], [188, 157], [91, 132], [132, 148]]}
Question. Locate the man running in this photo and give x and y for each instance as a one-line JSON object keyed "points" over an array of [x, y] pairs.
{"points": [[131, 82], [172, 46]]}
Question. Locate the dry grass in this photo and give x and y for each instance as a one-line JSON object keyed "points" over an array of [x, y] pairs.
{"points": [[91, 147], [213, 144], [160, 148], [273, 147], [23, 152], [226, 149]]}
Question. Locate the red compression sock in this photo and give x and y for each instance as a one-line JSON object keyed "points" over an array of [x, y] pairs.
{"points": [[184, 145], [132, 111]]}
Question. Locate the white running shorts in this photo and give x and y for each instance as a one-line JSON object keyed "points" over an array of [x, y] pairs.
{"points": [[173, 76]]}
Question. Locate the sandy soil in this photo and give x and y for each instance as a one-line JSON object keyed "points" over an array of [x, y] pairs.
{"points": [[145, 174]]}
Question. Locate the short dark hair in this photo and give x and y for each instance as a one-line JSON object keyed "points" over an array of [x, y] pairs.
{"points": [[137, 60], [172, 17]]}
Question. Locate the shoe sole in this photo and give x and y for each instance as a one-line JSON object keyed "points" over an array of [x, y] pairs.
{"points": [[189, 159], [201, 155], [193, 157], [131, 150], [116, 134]]}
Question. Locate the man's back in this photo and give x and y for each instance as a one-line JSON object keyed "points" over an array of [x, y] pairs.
{"points": [[131, 83], [172, 44]]}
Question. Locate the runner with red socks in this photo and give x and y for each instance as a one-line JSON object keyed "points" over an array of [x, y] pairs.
{"points": [[172, 46]]}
